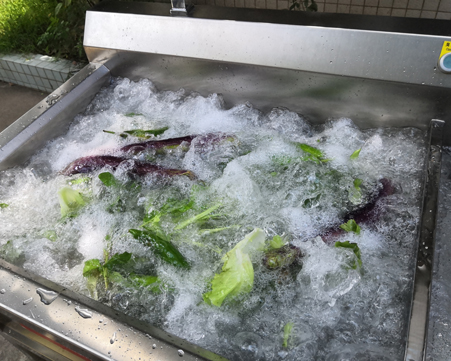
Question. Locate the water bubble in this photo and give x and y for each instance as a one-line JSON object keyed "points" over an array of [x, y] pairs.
{"points": [[83, 312], [47, 297]]}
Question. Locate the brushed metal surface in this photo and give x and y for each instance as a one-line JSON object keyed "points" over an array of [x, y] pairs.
{"points": [[50, 117], [406, 58], [57, 331], [417, 335]]}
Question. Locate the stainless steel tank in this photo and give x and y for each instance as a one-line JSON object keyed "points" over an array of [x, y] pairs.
{"points": [[381, 72]]}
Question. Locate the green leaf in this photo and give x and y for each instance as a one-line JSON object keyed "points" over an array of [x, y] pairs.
{"points": [[311, 150], [355, 155], [92, 268], [199, 217], [277, 242], [11, 254], [108, 179], [237, 274], [58, 8], [117, 260], [70, 201], [141, 133], [351, 226], [355, 248], [287, 333], [357, 182], [3, 205], [50, 235], [163, 248], [132, 114], [355, 193]]}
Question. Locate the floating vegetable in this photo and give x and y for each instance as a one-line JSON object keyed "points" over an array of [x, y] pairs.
{"points": [[70, 201], [287, 333], [351, 226], [92, 163], [161, 247], [237, 274], [315, 154], [204, 140], [364, 215], [355, 154], [140, 133], [282, 257], [355, 248]]}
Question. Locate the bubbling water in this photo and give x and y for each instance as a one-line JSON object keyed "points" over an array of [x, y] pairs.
{"points": [[257, 176]]}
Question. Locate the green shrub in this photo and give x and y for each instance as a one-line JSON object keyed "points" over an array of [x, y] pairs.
{"points": [[51, 27]]}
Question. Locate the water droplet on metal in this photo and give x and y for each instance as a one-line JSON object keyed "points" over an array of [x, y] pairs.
{"points": [[69, 302], [27, 301], [181, 353], [83, 312], [113, 338], [154, 346], [47, 297], [2, 291]]}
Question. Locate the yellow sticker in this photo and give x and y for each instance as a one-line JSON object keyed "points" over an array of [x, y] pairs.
{"points": [[446, 48]]}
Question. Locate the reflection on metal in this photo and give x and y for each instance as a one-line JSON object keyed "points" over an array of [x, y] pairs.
{"points": [[406, 58], [62, 331], [416, 341], [178, 8]]}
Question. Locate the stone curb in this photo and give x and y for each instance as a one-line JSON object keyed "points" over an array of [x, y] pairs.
{"points": [[41, 72]]}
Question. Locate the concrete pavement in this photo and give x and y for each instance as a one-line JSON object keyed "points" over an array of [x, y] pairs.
{"points": [[16, 100]]}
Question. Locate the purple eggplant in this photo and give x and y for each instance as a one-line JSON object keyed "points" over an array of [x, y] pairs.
{"points": [[157, 144], [92, 163], [369, 213], [203, 142]]}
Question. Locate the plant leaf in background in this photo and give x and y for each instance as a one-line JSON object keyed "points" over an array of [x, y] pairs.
{"points": [[351, 226], [3, 205], [237, 274]]}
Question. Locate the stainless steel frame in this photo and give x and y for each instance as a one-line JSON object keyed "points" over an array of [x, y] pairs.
{"points": [[377, 78]]}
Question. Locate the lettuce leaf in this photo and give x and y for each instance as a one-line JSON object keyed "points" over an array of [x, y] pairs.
{"points": [[237, 274], [351, 226], [70, 201]]}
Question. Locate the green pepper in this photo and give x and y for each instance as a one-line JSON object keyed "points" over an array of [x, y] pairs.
{"points": [[161, 247]]}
